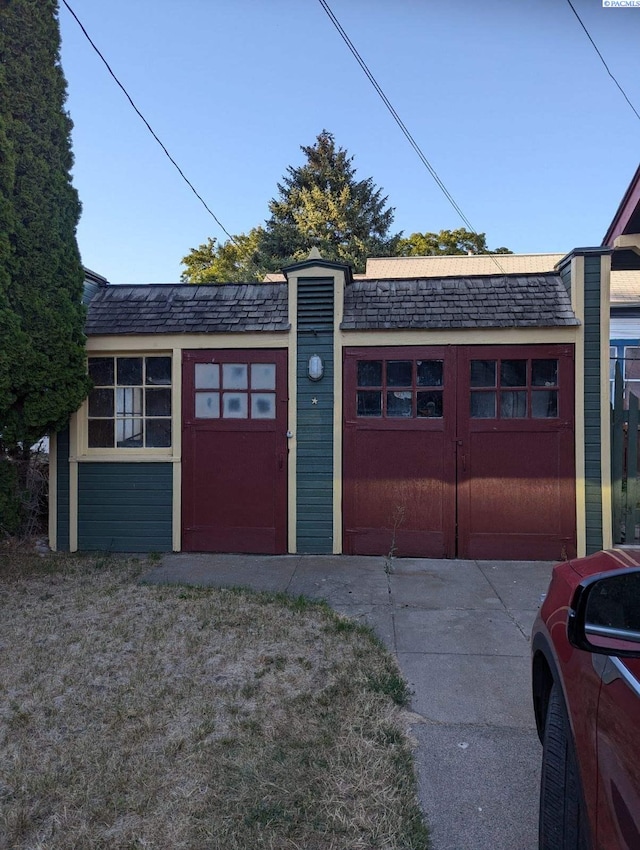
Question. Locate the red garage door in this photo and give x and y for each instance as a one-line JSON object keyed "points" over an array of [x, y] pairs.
{"points": [[234, 451], [459, 452]]}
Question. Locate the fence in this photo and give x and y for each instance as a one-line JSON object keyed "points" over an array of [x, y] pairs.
{"points": [[625, 419]]}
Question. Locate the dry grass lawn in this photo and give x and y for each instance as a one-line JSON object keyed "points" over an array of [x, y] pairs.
{"points": [[169, 717]]}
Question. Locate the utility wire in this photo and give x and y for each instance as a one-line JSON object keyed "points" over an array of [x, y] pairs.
{"points": [[150, 129], [624, 94], [399, 121]]}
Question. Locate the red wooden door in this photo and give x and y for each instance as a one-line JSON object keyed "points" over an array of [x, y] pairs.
{"points": [[516, 467], [399, 457], [234, 451], [459, 452]]}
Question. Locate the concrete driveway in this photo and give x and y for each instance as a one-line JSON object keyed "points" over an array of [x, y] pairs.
{"points": [[460, 631]]}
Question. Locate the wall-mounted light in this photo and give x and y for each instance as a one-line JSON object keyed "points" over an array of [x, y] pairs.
{"points": [[315, 369]]}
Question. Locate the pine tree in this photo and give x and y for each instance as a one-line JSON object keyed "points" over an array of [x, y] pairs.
{"points": [[42, 354], [322, 204]]}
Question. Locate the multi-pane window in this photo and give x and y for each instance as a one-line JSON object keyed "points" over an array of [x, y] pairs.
{"points": [[631, 370], [235, 390], [130, 403], [514, 389], [628, 356], [400, 388]]}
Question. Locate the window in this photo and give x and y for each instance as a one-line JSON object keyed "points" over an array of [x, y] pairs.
{"points": [[130, 403], [398, 389], [628, 356], [235, 390], [514, 389]]}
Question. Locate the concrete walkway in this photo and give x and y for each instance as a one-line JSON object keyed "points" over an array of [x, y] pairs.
{"points": [[460, 631]]}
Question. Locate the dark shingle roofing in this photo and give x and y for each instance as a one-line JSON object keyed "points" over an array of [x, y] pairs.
{"points": [[489, 301], [495, 301], [185, 308]]}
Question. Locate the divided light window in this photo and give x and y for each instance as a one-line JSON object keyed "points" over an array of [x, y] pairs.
{"points": [[514, 389], [130, 403], [400, 388]]}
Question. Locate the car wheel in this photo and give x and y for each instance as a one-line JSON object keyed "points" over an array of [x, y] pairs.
{"points": [[563, 823]]}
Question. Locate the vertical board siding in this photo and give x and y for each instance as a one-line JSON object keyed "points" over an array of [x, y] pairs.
{"points": [[62, 488], [125, 507], [592, 401], [314, 486]]}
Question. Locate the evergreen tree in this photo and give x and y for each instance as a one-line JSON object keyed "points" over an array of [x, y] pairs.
{"points": [[322, 204], [42, 355]]}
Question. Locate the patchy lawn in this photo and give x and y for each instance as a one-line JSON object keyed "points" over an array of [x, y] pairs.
{"points": [[147, 717]]}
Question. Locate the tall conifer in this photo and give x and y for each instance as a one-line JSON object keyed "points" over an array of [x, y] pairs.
{"points": [[322, 204], [42, 352]]}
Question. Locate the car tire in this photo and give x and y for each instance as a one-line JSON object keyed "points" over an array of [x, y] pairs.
{"points": [[563, 820]]}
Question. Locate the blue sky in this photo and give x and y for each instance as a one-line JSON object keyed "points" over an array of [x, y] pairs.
{"points": [[508, 101]]}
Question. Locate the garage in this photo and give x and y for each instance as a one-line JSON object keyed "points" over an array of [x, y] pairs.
{"points": [[459, 451], [234, 464]]}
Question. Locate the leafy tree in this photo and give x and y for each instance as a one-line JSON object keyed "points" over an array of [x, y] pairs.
{"points": [[42, 362], [459, 241], [227, 262]]}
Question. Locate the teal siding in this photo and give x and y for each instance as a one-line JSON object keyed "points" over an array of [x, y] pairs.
{"points": [[592, 401], [314, 487], [62, 490], [125, 507]]}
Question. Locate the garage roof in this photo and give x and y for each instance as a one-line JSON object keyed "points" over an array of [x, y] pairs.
{"points": [[489, 301], [185, 308], [494, 301]]}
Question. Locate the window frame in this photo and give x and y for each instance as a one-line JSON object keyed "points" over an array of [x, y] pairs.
{"points": [[132, 453]]}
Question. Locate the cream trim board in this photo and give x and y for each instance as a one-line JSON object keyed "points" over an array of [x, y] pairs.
{"points": [[176, 443], [577, 287], [73, 506], [605, 416], [117, 456], [486, 336], [292, 445], [577, 300], [337, 443], [73, 482], [166, 343], [338, 313], [53, 492], [176, 514]]}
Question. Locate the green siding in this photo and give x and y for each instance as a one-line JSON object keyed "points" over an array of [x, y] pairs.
{"points": [[62, 490], [125, 507], [314, 486], [592, 401]]}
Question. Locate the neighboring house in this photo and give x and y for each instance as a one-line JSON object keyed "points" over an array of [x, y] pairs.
{"points": [[456, 412], [624, 333], [623, 235]]}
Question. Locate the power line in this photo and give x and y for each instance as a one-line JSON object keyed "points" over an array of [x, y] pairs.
{"points": [[602, 59], [150, 128], [398, 120]]}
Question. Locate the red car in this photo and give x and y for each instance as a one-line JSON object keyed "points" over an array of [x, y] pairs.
{"points": [[586, 696]]}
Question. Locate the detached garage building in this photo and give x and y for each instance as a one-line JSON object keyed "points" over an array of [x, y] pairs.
{"points": [[439, 407]]}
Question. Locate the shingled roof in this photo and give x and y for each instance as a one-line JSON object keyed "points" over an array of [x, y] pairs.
{"points": [[488, 301], [494, 301], [185, 308]]}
